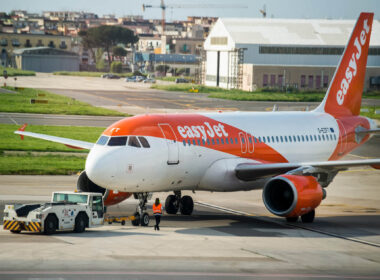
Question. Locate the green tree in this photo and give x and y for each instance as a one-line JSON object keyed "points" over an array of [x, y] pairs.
{"points": [[116, 67], [87, 43], [99, 59], [106, 37], [119, 51]]}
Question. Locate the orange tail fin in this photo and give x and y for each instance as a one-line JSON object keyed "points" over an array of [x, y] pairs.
{"points": [[344, 96]]}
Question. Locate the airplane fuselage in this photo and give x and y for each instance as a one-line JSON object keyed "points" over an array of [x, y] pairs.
{"points": [[200, 151]]}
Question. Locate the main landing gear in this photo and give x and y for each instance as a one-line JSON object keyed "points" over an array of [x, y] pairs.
{"points": [[306, 218], [141, 216], [175, 202]]}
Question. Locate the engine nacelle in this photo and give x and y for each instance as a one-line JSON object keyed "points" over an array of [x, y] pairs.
{"points": [[110, 197], [292, 195]]}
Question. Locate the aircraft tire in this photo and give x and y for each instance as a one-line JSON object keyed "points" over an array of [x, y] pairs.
{"points": [[308, 217], [136, 221], [186, 205], [170, 206], [145, 220]]}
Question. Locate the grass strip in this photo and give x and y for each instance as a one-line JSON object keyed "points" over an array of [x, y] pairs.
{"points": [[40, 165], [20, 102], [12, 72], [12, 142], [264, 95]]}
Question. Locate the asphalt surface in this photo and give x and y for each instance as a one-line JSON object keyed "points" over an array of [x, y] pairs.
{"points": [[229, 235]]}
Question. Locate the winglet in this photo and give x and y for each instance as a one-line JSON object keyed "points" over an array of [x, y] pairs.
{"points": [[22, 129]]}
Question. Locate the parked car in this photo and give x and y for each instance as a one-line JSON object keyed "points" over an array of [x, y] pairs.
{"points": [[110, 76], [131, 79], [149, 80], [181, 80], [140, 78]]}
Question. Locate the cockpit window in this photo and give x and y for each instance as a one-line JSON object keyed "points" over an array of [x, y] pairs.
{"points": [[118, 141], [102, 140], [134, 142], [144, 142]]}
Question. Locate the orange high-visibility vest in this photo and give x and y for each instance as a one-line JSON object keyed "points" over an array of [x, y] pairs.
{"points": [[157, 209]]}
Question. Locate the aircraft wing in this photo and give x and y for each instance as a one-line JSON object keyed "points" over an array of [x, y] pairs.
{"points": [[76, 144], [253, 171]]}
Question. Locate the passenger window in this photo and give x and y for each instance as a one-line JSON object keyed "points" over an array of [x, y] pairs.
{"points": [[118, 141], [208, 141], [259, 139], [294, 138], [272, 139], [307, 138], [268, 139], [102, 140], [277, 139], [194, 142], [298, 138], [286, 138], [264, 141], [188, 142], [222, 141], [144, 142], [199, 142], [217, 141], [250, 139], [232, 141], [281, 139], [334, 137], [236, 141], [213, 141], [203, 142], [242, 139], [134, 142], [319, 137], [226, 140], [184, 142], [323, 137], [303, 139], [290, 138]]}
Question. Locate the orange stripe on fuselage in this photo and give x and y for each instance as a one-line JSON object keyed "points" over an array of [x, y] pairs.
{"points": [[197, 127]]}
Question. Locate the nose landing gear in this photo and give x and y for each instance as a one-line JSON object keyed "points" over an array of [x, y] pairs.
{"points": [[175, 202], [141, 216]]}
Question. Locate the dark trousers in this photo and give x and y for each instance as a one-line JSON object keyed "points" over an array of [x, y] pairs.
{"points": [[158, 219]]}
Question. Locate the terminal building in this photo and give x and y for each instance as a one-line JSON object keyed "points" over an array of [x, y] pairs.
{"points": [[277, 53]]}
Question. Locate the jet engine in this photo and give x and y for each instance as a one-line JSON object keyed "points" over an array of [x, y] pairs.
{"points": [[110, 197], [292, 195]]}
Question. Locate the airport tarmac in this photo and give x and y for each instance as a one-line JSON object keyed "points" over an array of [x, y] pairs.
{"points": [[229, 236]]}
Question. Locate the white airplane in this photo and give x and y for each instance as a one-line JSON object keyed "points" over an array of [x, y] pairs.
{"points": [[292, 156]]}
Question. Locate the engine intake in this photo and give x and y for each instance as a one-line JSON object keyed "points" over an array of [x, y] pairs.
{"points": [[110, 197], [292, 195]]}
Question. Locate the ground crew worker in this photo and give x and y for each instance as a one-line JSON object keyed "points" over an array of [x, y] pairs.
{"points": [[157, 212]]}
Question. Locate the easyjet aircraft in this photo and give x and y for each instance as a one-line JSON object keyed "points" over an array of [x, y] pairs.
{"points": [[292, 156]]}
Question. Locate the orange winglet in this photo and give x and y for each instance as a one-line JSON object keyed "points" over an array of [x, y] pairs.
{"points": [[22, 129]]}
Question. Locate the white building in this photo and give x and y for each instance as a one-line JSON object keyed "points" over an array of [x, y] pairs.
{"points": [[254, 53]]}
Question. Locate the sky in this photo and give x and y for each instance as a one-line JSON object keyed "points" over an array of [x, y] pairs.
{"points": [[331, 9]]}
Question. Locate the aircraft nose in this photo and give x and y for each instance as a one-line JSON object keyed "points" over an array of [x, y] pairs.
{"points": [[100, 167]]}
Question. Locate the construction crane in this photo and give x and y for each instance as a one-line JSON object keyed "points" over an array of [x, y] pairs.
{"points": [[163, 8], [263, 11]]}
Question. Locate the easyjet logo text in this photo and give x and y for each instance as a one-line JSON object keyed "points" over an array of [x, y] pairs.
{"points": [[351, 69], [206, 130]]}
